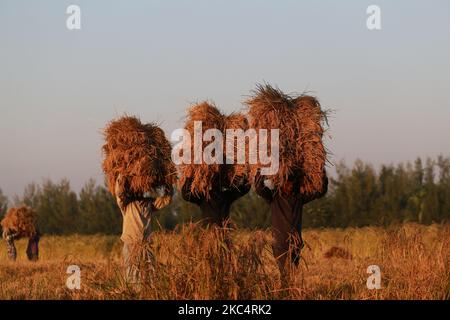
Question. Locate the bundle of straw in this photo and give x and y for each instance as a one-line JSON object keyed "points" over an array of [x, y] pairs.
{"points": [[139, 153], [311, 151], [203, 175], [237, 171], [299, 120], [21, 220], [206, 176]]}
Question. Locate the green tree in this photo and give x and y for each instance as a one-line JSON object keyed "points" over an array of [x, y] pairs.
{"points": [[31, 196], [357, 196], [444, 187], [176, 213], [57, 208], [3, 204], [251, 212], [98, 211]]}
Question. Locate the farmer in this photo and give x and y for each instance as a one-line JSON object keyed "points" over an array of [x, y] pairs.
{"points": [[19, 223], [136, 231], [286, 207], [32, 249], [216, 208]]}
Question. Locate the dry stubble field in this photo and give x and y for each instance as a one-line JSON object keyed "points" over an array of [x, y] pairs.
{"points": [[196, 264]]}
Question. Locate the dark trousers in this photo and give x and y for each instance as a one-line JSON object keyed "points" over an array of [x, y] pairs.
{"points": [[286, 230], [138, 260], [32, 249], [215, 212]]}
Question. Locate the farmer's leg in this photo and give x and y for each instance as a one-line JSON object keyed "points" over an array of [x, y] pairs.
{"points": [[147, 254], [286, 230], [132, 238], [216, 213], [280, 245], [33, 248], [130, 264], [295, 238], [11, 248], [210, 213], [137, 255], [138, 262]]}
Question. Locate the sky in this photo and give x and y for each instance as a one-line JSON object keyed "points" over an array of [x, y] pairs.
{"points": [[389, 89]]}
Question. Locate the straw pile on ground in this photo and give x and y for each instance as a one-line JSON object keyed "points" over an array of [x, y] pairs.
{"points": [[205, 176], [20, 220], [139, 153], [299, 120], [338, 252]]}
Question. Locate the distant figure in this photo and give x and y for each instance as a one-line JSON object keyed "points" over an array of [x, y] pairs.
{"points": [[19, 223]]}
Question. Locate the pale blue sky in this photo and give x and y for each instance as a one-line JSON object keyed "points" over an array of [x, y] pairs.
{"points": [[58, 88]]}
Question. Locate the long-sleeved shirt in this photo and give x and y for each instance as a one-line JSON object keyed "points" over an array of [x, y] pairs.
{"points": [[286, 215], [136, 213]]}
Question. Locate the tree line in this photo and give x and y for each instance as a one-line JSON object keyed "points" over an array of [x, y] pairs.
{"points": [[357, 196]]}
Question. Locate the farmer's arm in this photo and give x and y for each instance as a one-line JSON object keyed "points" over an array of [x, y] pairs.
{"points": [[187, 194], [164, 199], [261, 189], [121, 195], [239, 191], [10, 235], [308, 197]]}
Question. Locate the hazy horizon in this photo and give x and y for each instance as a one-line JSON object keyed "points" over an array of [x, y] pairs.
{"points": [[389, 89]]}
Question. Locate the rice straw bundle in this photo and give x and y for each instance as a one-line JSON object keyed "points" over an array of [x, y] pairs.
{"points": [[299, 120], [311, 151], [204, 175], [21, 220], [139, 153], [236, 171]]}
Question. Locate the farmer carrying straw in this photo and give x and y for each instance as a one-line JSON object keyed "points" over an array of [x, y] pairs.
{"points": [[140, 175], [301, 177], [214, 186], [137, 211], [19, 223]]}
